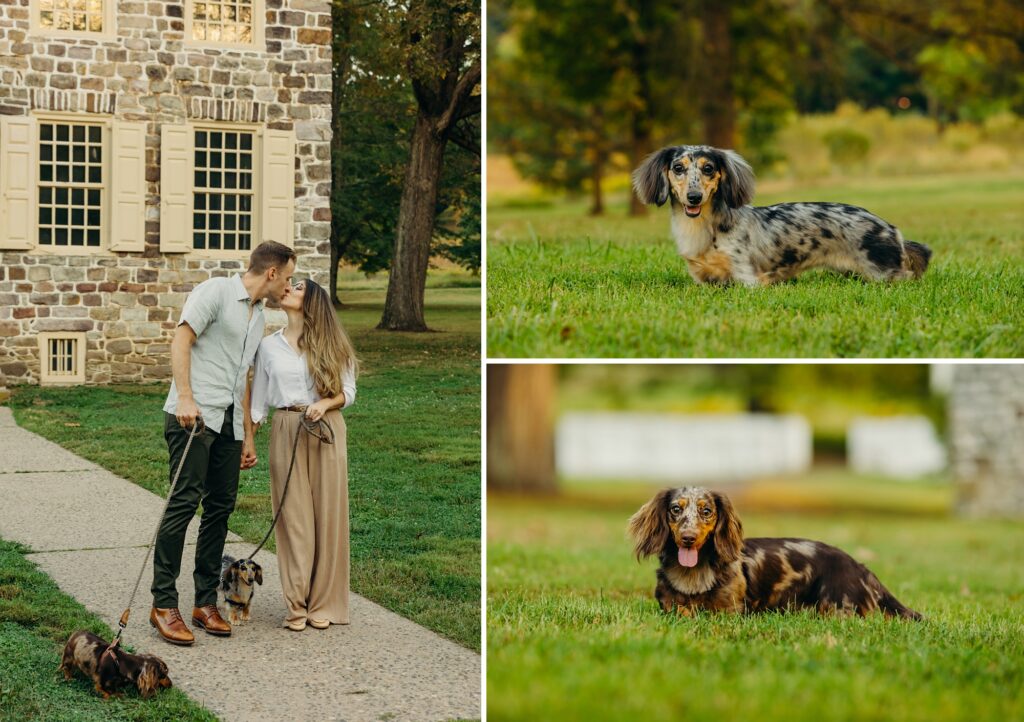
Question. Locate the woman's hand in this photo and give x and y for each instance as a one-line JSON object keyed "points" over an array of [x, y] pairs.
{"points": [[316, 411], [248, 452]]}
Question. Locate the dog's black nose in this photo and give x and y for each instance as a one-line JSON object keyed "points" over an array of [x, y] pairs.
{"points": [[688, 539], [693, 198]]}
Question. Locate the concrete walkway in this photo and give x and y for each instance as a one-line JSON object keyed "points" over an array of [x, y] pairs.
{"points": [[89, 530]]}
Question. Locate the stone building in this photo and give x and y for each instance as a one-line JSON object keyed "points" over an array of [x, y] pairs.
{"points": [[146, 146], [986, 430]]}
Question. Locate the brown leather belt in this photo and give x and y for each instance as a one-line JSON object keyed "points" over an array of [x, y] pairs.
{"points": [[299, 409]]}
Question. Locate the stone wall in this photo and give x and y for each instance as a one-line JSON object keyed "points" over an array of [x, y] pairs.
{"points": [[128, 303], [672, 448], [986, 414]]}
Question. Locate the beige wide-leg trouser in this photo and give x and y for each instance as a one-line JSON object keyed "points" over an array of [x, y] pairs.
{"points": [[312, 533]]}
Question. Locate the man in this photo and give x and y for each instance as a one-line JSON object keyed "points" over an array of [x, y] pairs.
{"points": [[214, 346]]}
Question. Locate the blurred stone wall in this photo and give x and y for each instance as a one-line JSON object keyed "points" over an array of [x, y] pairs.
{"points": [[986, 413]]}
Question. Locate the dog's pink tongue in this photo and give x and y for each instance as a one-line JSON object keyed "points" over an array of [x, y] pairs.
{"points": [[687, 557]]}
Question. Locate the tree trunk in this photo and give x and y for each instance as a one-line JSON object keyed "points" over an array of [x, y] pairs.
{"points": [[641, 147], [520, 428], [596, 194], [333, 289], [640, 144], [341, 28], [403, 309], [719, 106]]}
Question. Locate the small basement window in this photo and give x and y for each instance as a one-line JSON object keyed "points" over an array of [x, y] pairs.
{"points": [[61, 358]]}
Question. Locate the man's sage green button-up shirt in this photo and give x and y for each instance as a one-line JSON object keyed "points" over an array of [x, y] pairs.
{"points": [[227, 337]]}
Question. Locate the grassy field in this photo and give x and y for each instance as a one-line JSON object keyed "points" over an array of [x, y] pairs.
{"points": [[414, 453], [562, 284], [35, 621], [574, 632]]}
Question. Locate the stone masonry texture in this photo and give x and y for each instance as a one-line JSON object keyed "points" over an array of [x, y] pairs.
{"points": [[987, 438], [127, 304]]}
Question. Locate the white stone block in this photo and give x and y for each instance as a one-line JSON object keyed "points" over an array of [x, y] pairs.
{"points": [[899, 446], [681, 448]]}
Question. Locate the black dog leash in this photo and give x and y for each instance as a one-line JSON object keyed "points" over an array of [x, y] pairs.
{"points": [[198, 427], [319, 430]]}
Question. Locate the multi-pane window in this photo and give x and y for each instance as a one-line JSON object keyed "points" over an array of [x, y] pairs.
{"points": [[70, 184], [75, 15], [223, 190], [61, 358], [223, 21]]}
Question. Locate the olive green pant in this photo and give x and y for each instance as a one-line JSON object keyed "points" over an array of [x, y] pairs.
{"points": [[210, 476]]}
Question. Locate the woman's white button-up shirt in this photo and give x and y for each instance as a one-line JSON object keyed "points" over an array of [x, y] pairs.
{"points": [[282, 379]]}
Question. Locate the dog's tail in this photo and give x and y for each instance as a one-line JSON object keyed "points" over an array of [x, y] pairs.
{"points": [[892, 607], [916, 257]]}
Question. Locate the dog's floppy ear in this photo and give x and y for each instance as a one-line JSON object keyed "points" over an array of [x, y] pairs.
{"points": [[649, 179], [227, 578], [649, 526], [147, 679], [728, 530], [259, 574], [737, 186]]}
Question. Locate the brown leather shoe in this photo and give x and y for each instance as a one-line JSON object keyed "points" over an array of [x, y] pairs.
{"points": [[171, 626], [208, 618]]}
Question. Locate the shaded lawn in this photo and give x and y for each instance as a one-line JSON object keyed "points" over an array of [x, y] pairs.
{"points": [[36, 619], [562, 284], [574, 632], [414, 456]]}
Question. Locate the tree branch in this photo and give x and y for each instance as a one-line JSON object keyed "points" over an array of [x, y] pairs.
{"points": [[466, 139], [462, 93]]}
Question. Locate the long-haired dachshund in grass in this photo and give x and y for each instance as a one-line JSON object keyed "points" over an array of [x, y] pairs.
{"points": [[707, 564], [724, 239], [87, 653]]}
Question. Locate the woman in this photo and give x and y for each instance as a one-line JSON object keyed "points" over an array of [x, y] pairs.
{"points": [[309, 368]]}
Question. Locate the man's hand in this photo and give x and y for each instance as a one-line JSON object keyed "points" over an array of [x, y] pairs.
{"points": [[186, 411], [316, 411], [248, 453]]}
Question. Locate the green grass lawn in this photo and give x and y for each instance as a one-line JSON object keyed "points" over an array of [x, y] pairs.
{"points": [[562, 284], [413, 445], [36, 620], [574, 632]]}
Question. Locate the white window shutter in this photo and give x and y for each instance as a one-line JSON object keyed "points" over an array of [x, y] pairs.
{"points": [[176, 163], [128, 187], [277, 206], [17, 183]]}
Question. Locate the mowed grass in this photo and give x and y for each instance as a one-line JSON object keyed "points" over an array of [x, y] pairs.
{"points": [[413, 452], [574, 631], [36, 619], [562, 284]]}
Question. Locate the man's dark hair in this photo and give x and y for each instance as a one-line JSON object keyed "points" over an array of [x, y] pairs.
{"points": [[270, 254]]}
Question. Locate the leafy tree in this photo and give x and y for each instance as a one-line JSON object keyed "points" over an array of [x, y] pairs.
{"points": [[375, 114], [441, 56]]}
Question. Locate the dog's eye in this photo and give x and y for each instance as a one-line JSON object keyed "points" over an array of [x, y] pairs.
{"points": [[709, 169], [677, 169], [706, 512]]}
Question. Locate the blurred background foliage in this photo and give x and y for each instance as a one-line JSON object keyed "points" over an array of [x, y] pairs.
{"points": [[581, 90], [829, 396]]}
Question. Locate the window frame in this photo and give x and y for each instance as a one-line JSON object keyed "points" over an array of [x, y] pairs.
{"points": [[258, 41], [257, 187], [109, 20], [105, 124], [76, 379]]}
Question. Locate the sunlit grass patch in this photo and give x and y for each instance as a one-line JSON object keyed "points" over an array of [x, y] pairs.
{"points": [[562, 284]]}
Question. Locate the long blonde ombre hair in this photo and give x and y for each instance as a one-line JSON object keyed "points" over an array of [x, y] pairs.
{"points": [[328, 348]]}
